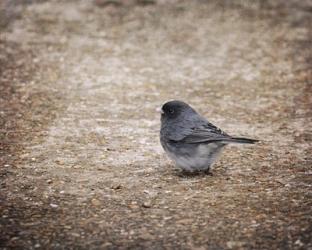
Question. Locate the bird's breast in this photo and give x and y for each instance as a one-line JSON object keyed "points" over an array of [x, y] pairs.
{"points": [[191, 157]]}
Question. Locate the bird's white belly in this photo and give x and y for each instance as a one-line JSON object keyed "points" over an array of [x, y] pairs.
{"points": [[202, 159]]}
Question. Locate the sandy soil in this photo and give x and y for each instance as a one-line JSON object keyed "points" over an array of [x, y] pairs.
{"points": [[81, 164]]}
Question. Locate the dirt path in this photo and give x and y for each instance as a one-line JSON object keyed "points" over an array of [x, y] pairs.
{"points": [[82, 166]]}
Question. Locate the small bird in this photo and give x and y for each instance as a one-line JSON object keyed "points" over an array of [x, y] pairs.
{"points": [[190, 140]]}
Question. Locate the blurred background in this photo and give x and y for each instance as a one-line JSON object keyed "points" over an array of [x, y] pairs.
{"points": [[80, 161]]}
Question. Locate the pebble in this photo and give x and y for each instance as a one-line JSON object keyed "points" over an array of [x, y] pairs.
{"points": [[234, 244], [53, 205], [147, 204], [116, 186], [299, 243], [95, 202], [106, 244], [59, 162], [133, 205], [75, 234]]}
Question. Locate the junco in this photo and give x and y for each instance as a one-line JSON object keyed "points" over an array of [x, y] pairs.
{"points": [[190, 140]]}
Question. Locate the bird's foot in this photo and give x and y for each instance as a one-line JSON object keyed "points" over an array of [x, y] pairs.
{"points": [[207, 172], [188, 173]]}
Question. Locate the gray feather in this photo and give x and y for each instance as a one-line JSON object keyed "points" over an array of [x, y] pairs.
{"points": [[190, 140]]}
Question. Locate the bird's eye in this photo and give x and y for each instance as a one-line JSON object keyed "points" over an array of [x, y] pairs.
{"points": [[171, 111]]}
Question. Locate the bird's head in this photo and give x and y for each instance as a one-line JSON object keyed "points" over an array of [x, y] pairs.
{"points": [[173, 110]]}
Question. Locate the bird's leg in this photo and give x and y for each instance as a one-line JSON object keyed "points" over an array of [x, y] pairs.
{"points": [[187, 173], [207, 172]]}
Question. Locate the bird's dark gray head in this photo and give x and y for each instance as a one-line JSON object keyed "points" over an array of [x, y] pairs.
{"points": [[174, 109]]}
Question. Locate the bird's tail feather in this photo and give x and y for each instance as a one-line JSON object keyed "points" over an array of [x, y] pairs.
{"points": [[242, 140]]}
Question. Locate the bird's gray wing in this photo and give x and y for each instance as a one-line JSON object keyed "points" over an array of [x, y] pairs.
{"points": [[204, 134], [199, 132]]}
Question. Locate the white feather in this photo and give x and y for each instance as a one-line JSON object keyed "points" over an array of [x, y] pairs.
{"points": [[203, 159]]}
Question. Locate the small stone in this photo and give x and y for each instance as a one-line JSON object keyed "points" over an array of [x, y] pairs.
{"points": [[234, 244], [185, 221], [95, 202], [133, 205], [116, 186], [147, 204], [36, 60], [106, 244], [299, 243], [146, 236], [59, 162], [53, 205], [49, 181]]}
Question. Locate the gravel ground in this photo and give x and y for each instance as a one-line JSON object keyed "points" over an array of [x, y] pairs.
{"points": [[81, 164]]}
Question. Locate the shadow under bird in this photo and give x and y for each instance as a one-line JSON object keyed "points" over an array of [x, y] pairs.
{"points": [[190, 140]]}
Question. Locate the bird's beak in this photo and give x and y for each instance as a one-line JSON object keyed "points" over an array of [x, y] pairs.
{"points": [[159, 110]]}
